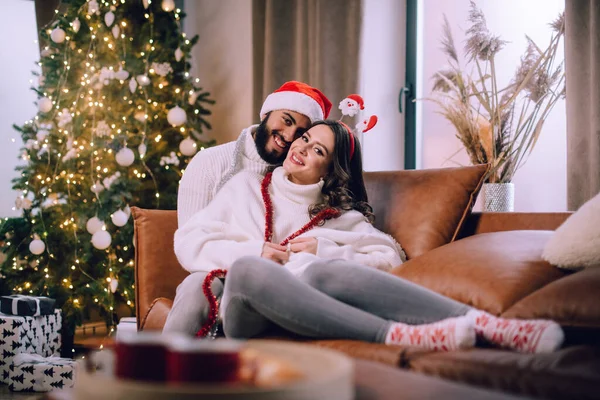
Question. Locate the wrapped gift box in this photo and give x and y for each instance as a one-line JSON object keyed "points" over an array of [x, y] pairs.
{"points": [[29, 335], [26, 306], [34, 373]]}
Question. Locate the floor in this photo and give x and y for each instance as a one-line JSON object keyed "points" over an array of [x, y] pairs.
{"points": [[6, 394]]}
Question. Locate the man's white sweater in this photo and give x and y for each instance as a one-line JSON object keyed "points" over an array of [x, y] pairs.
{"points": [[208, 170], [233, 224]]}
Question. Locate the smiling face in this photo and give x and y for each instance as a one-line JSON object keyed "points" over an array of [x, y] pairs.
{"points": [[276, 132], [310, 156]]}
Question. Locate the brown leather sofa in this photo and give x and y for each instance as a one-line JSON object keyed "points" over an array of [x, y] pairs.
{"points": [[491, 261]]}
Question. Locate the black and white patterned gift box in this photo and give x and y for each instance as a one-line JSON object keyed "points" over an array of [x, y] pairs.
{"points": [[26, 306], [34, 373], [29, 335]]}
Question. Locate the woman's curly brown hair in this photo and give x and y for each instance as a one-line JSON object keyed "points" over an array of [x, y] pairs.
{"points": [[344, 187]]}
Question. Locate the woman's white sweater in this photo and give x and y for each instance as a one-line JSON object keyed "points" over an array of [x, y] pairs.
{"points": [[233, 225]]}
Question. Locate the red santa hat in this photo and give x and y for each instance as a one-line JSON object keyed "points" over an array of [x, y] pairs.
{"points": [[299, 97]]}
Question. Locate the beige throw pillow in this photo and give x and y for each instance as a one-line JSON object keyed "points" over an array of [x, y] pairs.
{"points": [[576, 243]]}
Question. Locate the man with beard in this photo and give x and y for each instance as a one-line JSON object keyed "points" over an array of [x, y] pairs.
{"points": [[285, 115]]}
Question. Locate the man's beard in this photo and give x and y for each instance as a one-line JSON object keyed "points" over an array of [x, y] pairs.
{"points": [[261, 137]]}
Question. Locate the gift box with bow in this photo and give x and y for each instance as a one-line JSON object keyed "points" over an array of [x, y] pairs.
{"points": [[30, 335], [34, 373], [29, 306]]}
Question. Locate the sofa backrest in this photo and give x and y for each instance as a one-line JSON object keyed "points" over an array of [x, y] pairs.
{"points": [[421, 209], [157, 271]]}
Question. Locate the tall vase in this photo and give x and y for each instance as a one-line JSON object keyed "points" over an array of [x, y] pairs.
{"points": [[498, 197]]}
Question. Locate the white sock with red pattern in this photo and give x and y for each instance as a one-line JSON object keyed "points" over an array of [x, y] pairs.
{"points": [[522, 335], [446, 335]]}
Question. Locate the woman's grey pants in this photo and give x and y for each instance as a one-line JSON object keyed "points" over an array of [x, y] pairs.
{"points": [[331, 299]]}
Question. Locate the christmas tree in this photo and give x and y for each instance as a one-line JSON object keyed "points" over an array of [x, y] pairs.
{"points": [[119, 117]]}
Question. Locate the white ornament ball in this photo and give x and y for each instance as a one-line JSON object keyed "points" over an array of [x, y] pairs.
{"points": [[45, 104], [188, 147], [37, 246], [168, 5], [132, 85], [101, 239], [93, 225], [178, 54], [113, 285], [125, 157], [109, 18], [76, 25], [119, 218], [140, 116], [116, 31], [121, 74], [146, 4], [58, 35], [143, 80], [176, 116], [142, 148], [97, 187]]}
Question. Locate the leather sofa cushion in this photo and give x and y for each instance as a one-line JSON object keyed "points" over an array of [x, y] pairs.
{"points": [[489, 271], [570, 373], [573, 301], [423, 209]]}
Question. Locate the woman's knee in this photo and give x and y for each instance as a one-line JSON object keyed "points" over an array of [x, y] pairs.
{"points": [[248, 272], [319, 274]]}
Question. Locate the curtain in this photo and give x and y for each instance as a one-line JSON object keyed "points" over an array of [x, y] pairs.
{"points": [[313, 41], [582, 64]]}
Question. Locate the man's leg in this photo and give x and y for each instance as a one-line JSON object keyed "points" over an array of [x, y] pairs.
{"points": [[190, 307]]}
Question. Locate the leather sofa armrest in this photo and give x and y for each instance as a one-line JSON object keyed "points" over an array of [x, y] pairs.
{"points": [[155, 318]]}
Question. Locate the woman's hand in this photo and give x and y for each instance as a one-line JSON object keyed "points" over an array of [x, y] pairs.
{"points": [[304, 244], [275, 252]]}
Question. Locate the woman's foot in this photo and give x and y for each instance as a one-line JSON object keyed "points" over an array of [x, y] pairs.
{"points": [[525, 336], [446, 335]]}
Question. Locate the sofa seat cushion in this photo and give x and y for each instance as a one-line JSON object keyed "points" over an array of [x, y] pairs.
{"points": [[570, 373], [489, 271], [423, 209], [391, 355], [573, 301]]}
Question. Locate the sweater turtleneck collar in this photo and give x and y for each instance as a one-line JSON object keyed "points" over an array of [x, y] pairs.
{"points": [[250, 151], [300, 194]]}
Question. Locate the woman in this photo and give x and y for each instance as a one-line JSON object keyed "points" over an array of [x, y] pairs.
{"points": [[302, 255]]}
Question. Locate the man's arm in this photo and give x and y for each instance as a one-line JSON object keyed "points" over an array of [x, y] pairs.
{"points": [[198, 182]]}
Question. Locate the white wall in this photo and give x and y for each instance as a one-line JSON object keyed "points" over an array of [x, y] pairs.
{"points": [[540, 185], [19, 51], [222, 59], [383, 37]]}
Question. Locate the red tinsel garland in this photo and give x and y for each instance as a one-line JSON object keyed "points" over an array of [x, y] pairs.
{"points": [[323, 215]]}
